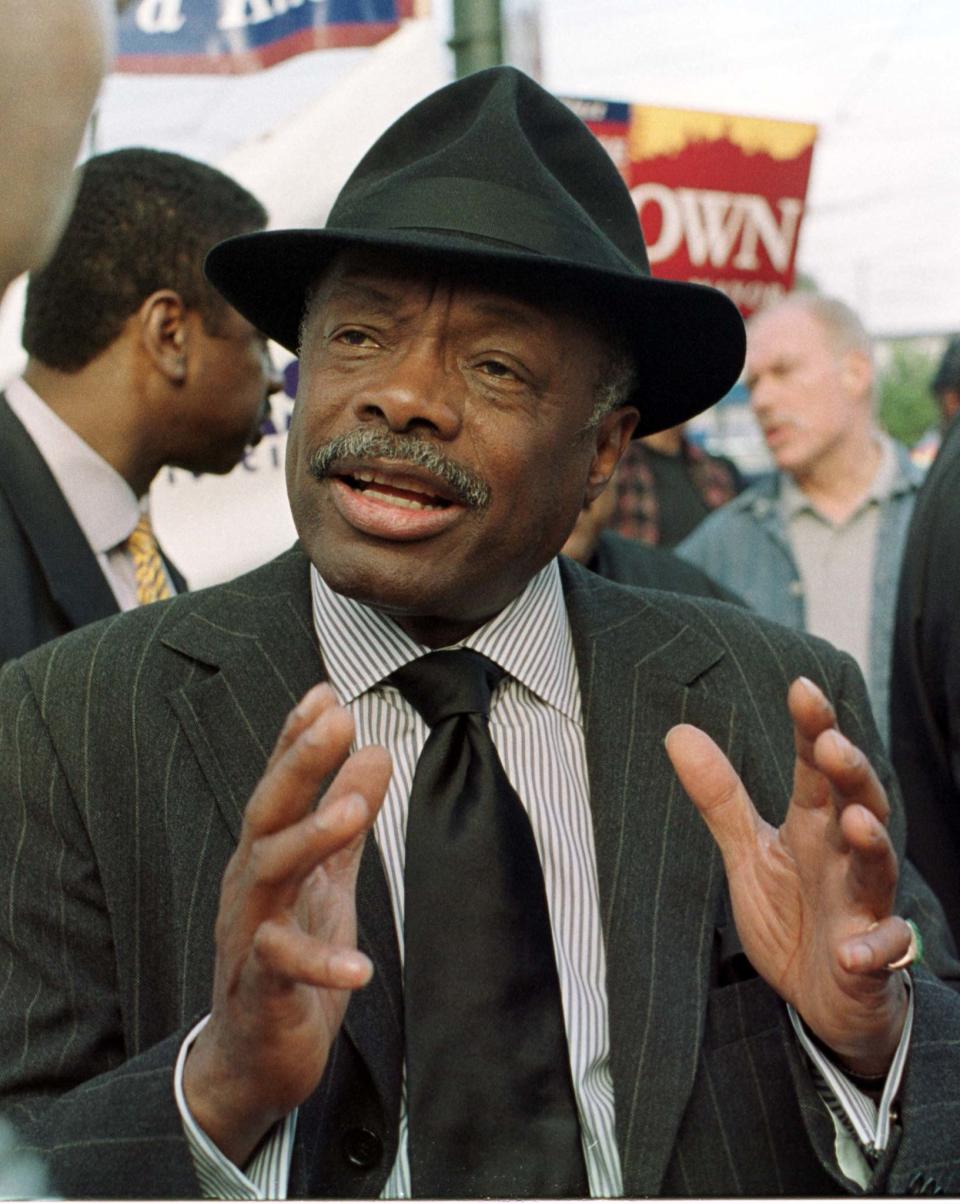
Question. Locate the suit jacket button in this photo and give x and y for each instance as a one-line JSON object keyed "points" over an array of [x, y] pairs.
{"points": [[362, 1148]]}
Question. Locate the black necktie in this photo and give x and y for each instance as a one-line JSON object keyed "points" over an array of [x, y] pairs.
{"points": [[489, 1093]]}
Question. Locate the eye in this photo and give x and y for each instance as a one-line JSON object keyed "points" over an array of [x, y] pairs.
{"points": [[352, 336], [498, 369]]}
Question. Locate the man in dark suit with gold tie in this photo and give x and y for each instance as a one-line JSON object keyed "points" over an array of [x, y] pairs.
{"points": [[504, 954], [134, 362]]}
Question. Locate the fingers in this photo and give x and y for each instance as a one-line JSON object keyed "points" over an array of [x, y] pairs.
{"points": [[872, 863], [832, 772], [284, 859], [318, 698], [850, 773], [716, 790], [873, 951], [812, 715], [314, 742], [287, 952], [366, 773]]}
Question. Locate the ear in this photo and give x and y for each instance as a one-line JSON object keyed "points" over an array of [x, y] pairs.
{"points": [[163, 332], [612, 436], [857, 374]]}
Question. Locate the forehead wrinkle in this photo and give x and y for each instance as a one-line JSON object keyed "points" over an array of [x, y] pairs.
{"points": [[387, 285], [511, 313], [355, 290]]}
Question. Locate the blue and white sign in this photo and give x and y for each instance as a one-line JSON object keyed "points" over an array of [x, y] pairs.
{"points": [[245, 35]]}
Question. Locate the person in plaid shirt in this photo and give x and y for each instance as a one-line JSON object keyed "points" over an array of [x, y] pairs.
{"points": [[666, 485]]}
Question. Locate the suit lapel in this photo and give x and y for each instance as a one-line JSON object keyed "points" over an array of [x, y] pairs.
{"points": [[69, 565], [659, 873], [259, 648], [254, 643]]}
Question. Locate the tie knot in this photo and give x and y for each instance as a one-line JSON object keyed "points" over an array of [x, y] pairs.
{"points": [[142, 538], [452, 682]]}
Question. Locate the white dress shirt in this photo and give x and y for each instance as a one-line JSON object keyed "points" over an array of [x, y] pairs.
{"points": [[536, 725], [104, 505]]}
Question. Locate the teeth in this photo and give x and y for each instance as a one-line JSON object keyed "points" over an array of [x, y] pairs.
{"points": [[367, 477], [405, 503], [373, 478]]}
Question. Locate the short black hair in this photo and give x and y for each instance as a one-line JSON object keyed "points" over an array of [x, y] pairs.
{"points": [[947, 376], [143, 220]]}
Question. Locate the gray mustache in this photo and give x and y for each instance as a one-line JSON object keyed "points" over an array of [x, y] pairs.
{"points": [[470, 489]]}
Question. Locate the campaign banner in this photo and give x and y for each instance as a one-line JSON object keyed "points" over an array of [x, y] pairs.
{"points": [[233, 36], [720, 197]]}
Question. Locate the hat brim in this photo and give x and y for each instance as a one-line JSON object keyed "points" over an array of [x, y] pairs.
{"points": [[688, 340]]}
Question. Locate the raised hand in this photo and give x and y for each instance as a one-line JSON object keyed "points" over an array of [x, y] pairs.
{"points": [[286, 929], [812, 899]]}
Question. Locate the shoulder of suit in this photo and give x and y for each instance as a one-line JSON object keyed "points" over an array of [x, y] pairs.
{"points": [[121, 638]]}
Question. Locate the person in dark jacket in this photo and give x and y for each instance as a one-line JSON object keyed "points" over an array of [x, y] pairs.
{"points": [[925, 674], [135, 362]]}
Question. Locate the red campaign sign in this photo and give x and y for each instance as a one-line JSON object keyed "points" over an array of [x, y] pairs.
{"points": [[720, 197]]}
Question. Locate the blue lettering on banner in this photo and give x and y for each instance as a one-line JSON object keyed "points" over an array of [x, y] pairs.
{"points": [[201, 34], [598, 110]]}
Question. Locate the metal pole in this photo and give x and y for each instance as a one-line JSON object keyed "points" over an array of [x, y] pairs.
{"points": [[477, 40]]}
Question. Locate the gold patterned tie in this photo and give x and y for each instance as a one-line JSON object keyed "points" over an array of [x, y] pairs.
{"points": [[151, 577]]}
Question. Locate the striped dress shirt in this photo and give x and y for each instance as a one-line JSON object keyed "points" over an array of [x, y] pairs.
{"points": [[536, 725]]}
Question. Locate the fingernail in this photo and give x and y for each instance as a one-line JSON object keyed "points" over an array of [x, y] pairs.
{"points": [[848, 753], [314, 734], [350, 963], [354, 808], [305, 705], [852, 756]]}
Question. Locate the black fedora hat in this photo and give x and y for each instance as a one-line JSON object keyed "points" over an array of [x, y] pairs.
{"points": [[494, 171]]}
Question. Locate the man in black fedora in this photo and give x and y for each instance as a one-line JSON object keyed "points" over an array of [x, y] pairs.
{"points": [[501, 956]]}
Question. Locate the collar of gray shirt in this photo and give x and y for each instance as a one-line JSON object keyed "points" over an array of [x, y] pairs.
{"points": [[885, 483]]}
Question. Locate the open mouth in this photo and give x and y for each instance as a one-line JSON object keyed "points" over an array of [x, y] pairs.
{"points": [[409, 504], [394, 491]]}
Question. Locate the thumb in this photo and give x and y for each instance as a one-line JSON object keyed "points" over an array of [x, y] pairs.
{"points": [[715, 788]]}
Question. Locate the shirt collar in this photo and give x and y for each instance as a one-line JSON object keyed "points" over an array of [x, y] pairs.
{"points": [[794, 501], [104, 505], [530, 639]]}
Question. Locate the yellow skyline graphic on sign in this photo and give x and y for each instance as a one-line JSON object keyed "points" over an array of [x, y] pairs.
{"points": [[659, 131]]}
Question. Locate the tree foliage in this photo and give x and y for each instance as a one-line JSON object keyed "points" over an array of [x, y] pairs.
{"points": [[905, 406]]}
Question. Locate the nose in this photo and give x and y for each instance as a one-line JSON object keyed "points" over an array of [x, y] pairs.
{"points": [[414, 390]]}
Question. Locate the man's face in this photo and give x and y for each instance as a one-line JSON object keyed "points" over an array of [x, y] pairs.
{"points": [[807, 396], [489, 395], [232, 378]]}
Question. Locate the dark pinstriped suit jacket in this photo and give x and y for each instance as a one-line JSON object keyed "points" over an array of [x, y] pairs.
{"points": [[128, 751]]}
